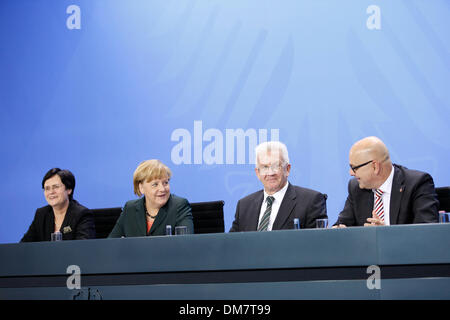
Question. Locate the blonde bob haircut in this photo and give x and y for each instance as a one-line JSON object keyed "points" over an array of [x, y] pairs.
{"points": [[149, 170]]}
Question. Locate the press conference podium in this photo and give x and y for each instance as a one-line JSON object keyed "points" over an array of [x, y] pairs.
{"points": [[413, 262]]}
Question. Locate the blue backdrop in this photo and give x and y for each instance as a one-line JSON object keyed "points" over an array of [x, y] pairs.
{"points": [[98, 86]]}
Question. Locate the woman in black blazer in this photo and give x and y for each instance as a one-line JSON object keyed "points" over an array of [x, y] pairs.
{"points": [[62, 213], [149, 215]]}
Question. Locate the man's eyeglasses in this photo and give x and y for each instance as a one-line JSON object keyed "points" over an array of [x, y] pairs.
{"points": [[354, 168], [275, 168]]}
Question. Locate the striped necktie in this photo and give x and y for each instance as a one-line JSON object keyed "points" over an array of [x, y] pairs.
{"points": [[266, 216], [378, 207]]}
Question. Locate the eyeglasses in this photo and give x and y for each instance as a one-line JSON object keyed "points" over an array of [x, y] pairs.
{"points": [[275, 168], [54, 187], [354, 168]]}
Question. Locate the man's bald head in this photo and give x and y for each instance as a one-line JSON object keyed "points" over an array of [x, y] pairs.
{"points": [[370, 147], [370, 163]]}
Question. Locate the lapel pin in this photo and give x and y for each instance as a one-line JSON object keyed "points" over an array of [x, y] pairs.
{"points": [[67, 229]]}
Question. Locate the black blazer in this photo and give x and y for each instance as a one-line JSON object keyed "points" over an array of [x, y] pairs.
{"points": [[305, 204], [133, 223], [78, 224], [413, 200]]}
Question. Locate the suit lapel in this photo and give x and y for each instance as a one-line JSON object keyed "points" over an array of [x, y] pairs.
{"points": [[67, 218], [255, 210], [287, 205], [398, 189], [49, 224], [162, 213], [141, 220], [367, 204]]}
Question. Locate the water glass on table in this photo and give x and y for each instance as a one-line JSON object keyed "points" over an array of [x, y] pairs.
{"points": [[180, 230], [56, 236], [321, 223], [444, 217]]}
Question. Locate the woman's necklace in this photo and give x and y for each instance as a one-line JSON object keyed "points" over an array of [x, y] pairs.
{"points": [[148, 214]]}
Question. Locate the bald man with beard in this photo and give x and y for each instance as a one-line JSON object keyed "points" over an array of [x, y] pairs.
{"points": [[382, 193]]}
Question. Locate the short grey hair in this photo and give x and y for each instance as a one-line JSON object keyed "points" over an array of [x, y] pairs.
{"points": [[268, 146]]}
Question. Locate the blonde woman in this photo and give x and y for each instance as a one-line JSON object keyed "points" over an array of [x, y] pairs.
{"points": [[149, 215]]}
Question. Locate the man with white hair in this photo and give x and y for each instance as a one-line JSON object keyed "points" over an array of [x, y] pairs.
{"points": [[383, 193], [279, 203]]}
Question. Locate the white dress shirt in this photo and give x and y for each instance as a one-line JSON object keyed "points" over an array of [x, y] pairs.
{"points": [[386, 187], [279, 195]]}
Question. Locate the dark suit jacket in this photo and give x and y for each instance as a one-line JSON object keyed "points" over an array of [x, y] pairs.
{"points": [[132, 221], [305, 204], [413, 200], [78, 224]]}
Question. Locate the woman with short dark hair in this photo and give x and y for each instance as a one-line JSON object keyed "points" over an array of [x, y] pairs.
{"points": [[62, 213], [67, 179]]}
